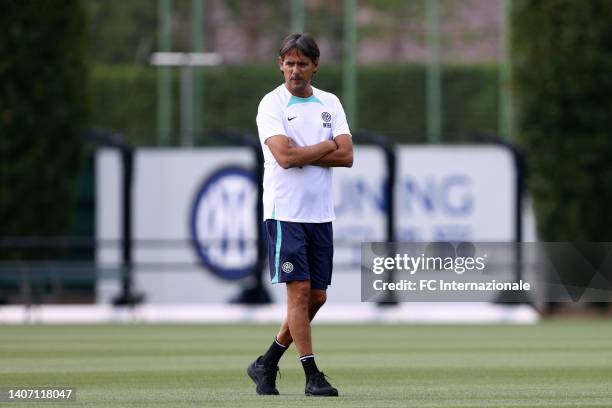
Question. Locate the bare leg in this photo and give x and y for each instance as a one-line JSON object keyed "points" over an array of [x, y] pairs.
{"points": [[316, 299], [298, 299]]}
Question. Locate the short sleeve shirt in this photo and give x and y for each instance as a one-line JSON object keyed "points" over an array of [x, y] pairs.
{"points": [[299, 194]]}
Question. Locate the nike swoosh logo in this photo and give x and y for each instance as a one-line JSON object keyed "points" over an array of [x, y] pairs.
{"points": [[290, 119]]}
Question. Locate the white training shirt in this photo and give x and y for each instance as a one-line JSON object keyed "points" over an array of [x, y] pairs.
{"points": [[299, 194]]}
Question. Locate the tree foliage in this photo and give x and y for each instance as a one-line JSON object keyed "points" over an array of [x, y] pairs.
{"points": [[43, 106], [563, 64], [391, 99]]}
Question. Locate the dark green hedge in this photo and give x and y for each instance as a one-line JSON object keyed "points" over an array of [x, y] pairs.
{"points": [[43, 108], [391, 99], [563, 70]]}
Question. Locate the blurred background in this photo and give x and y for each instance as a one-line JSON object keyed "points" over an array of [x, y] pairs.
{"points": [[111, 153]]}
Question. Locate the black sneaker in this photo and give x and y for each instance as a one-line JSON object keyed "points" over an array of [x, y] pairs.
{"points": [[317, 385], [264, 377]]}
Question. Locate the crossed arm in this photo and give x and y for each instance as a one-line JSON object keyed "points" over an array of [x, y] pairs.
{"points": [[329, 153]]}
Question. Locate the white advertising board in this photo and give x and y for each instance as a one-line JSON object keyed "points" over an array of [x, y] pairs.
{"points": [[180, 197], [359, 204], [455, 193], [194, 223]]}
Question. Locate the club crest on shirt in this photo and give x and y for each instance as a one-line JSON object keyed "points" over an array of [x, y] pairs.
{"points": [[326, 120]]}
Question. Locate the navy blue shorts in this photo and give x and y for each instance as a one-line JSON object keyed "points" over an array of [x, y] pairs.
{"points": [[300, 251]]}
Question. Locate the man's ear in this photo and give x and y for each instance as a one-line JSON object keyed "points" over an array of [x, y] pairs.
{"points": [[280, 64], [316, 64]]}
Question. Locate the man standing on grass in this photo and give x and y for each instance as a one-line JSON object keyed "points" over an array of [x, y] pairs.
{"points": [[303, 133]]}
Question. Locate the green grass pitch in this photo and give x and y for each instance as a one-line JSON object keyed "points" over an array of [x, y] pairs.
{"points": [[553, 364]]}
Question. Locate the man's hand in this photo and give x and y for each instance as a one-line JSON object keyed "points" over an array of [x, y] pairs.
{"points": [[341, 157], [288, 154]]}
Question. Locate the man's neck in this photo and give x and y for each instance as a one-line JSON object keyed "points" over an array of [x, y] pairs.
{"points": [[307, 92]]}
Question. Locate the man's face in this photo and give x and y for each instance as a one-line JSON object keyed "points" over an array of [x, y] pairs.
{"points": [[298, 70]]}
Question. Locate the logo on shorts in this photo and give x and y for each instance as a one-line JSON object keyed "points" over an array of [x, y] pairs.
{"points": [[287, 267], [326, 117]]}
